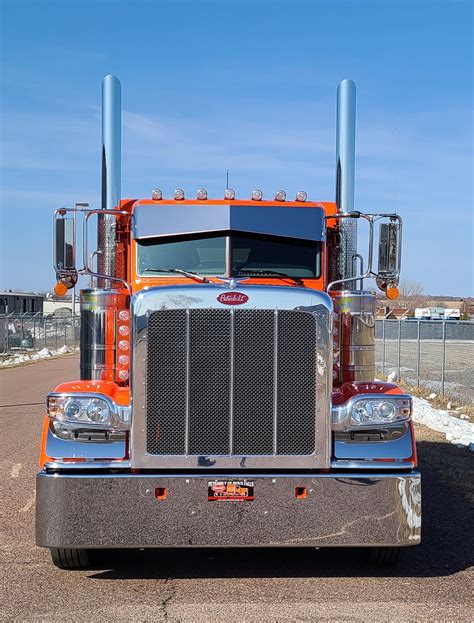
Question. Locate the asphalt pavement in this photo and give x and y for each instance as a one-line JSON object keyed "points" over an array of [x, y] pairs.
{"points": [[433, 582]]}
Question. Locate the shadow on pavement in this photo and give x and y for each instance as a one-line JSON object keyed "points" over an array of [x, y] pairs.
{"points": [[447, 547]]}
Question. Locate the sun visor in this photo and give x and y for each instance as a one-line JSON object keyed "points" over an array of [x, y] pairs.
{"points": [[156, 220]]}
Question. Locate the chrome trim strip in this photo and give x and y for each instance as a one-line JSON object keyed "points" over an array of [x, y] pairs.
{"points": [[369, 464], [67, 466], [275, 386], [187, 389], [231, 383]]}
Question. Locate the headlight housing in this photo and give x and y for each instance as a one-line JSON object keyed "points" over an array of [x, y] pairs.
{"points": [[91, 410], [372, 410]]}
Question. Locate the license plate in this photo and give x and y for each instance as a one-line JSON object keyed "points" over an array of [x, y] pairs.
{"points": [[230, 490]]}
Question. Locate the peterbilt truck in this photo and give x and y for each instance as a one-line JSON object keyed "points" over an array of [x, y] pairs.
{"points": [[227, 393]]}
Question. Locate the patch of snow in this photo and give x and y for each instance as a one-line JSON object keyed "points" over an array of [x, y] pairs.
{"points": [[392, 377], [456, 431], [44, 353], [432, 396]]}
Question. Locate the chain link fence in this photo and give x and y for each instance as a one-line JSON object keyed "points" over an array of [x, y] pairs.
{"points": [[436, 354], [21, 334]]}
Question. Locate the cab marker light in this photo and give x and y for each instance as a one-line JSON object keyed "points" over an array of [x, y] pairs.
{"points": [[157, 195], [301, 195], [280, 195], [229, 194], [179, 194], [257, 195], [201, 194]]}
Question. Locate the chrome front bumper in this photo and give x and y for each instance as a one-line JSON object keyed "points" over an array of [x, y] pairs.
{"points": [[121, 510]]}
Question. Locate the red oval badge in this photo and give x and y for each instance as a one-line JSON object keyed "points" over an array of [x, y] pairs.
{"points": [[232, 298]]}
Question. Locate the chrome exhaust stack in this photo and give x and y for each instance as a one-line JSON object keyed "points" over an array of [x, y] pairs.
{"points": [[345, 175], [111, 177]]}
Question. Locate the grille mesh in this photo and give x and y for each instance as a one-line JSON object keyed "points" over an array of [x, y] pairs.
{"points": [[253, 381], [166, 382], [231, 382], [297, 377]]}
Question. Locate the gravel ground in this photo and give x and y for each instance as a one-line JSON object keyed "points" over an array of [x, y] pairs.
{"points": [[431, 584]]}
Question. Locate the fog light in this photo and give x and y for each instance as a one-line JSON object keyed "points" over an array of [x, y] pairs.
{"points": [[280, 195], [229, 194], [157, 195], [179, 194], [257, 195], [301, 195], [201, 194]]}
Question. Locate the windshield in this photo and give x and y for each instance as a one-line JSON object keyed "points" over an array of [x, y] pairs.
{"points": [[249, 254]]}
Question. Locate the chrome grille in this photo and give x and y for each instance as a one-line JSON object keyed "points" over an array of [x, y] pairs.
{"points": [[231, 382]]}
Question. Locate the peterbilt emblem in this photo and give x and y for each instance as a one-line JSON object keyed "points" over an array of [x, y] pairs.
{"points": [[232, 298]]}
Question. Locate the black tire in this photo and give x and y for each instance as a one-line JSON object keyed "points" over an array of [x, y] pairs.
{"points": [[66, 558], [384, 556]]}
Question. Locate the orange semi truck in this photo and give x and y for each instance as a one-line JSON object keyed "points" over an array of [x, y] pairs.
{"points": [[227, 393]]}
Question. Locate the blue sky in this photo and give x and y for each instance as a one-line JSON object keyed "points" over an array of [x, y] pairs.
{"points": [[248, 86]]}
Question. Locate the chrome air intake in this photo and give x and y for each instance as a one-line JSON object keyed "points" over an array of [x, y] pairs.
{"points": [[111, 176], [222, 385]]}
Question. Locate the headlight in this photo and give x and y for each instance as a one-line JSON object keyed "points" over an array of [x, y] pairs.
{"points": [[86, 409], [372, 410]]}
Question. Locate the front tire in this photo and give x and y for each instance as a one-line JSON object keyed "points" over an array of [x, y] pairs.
{"points": [[384, 556], [67, 558]]}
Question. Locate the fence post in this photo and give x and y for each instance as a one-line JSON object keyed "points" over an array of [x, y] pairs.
{"points": [[399, 347], [418, 344], [383, 346], [443, 360]]}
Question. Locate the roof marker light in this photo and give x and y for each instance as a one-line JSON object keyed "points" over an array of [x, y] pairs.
{"points": [[229, 194], [257, 195], [179, 194], [301, 195], [157, 195], [280, 195], [201, 194]]}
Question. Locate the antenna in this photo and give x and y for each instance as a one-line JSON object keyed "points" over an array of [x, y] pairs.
{"points": [[227, 179]]}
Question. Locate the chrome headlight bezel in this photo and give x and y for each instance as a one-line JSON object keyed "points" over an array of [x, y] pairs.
{"points": [[61, 406], [363, 411]]}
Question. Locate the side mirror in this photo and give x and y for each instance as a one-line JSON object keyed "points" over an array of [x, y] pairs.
{"points": [[65, 250], [65, 247], [389, 252]]}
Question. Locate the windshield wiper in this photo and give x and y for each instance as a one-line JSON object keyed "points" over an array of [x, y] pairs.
{"points": [[180, 271], [269, 271]]}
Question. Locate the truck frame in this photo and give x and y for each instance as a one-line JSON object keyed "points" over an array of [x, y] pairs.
{"points": [[227, 393]]}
